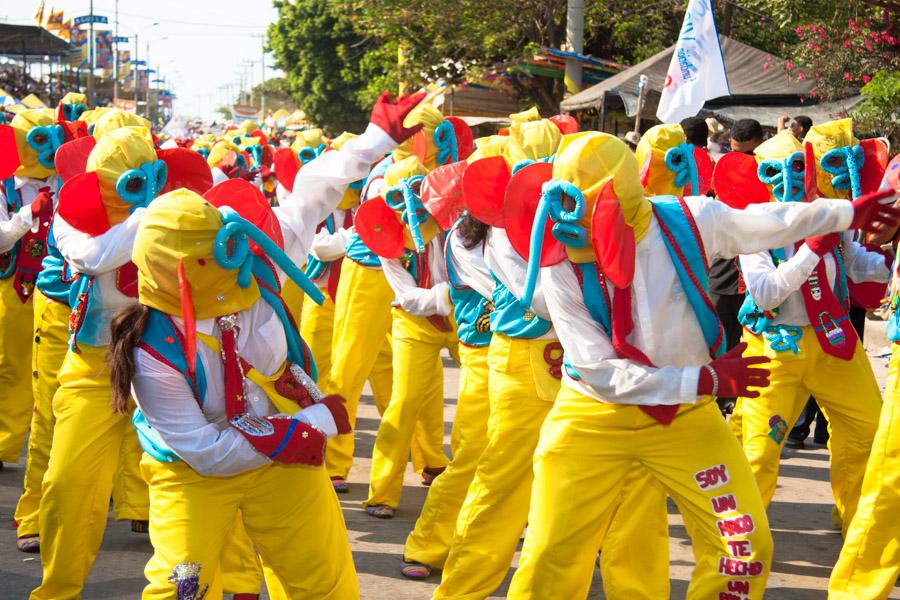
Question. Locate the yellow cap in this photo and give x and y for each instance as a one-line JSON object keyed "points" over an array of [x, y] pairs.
{"points": [[74, 98], [342, 139], [308, 138], [181, 227], [486, 147], [115, 118], [397, 172], [22, 123], [118, 151], [90, 116], [825, 137], [429, 117], [653, 147], [532, 114], [531, 140], [589, 160]]}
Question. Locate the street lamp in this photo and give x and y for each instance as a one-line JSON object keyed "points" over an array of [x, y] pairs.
{"points": [[135, 62]]}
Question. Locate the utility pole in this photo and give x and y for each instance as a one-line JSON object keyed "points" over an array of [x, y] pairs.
{"points": [[147, 69], [134, 83], [727, 17], [116, 55], [574, 43], [91, 99], [262, 92]]}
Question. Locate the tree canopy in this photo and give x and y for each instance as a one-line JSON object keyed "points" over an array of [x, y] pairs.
{"points": [[339, 54]]}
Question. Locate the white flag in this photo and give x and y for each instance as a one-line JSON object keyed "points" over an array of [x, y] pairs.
{"points": [[697, 71]]}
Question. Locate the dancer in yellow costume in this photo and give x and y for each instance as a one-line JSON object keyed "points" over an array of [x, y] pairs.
{"points": [[870, 560], [94, 229], [639, 383], [796, 314], [28, 185], [363, 316], [420, 329], [471, 290], [252, 448], [525, 362], [325, 263]]}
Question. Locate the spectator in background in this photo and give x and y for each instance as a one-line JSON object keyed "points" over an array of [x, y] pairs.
{"points": [[696, 131], [726, 288], [798, 125]]}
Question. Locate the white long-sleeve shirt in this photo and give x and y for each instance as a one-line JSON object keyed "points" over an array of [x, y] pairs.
{"points": [[14, 226], [317, 190], [510, 269], [421, 302], [470, 266], [772, 286], [327, 246], [666, 328], [201, 436]]}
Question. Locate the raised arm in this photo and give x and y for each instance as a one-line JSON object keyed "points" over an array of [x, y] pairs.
{"points": [[94, 255]]}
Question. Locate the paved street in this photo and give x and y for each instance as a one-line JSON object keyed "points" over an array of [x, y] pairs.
{"points": [[806, 546]]}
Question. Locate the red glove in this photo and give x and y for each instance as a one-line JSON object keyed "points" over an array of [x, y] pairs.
{"points": [[42, 204], [388, 116], [730, 375], [823, 244], [249, 175], [869, 214], [335, 404], [283, 438]]}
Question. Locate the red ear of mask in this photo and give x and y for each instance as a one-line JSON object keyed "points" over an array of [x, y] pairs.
{"points": [[465, 142], [9, 152], [257, 133], [379, 228], [810, 183], [441, 193], [249, 202], [612, 238], [73, 130], [567, 123], [736, 182], [523, 194], [268, 156], [645, 170], [227, 161], [874, 165], [186, 169], [71, 158], [286, 167], [484, 185], [80, 204], [704, 171]]}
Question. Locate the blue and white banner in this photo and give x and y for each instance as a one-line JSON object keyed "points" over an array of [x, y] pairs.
{"points": [[697, 71]]}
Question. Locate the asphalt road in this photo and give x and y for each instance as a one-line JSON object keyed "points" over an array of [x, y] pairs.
{"points": [[806, 546]]}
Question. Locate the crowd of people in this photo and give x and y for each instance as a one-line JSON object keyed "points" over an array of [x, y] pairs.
{"points": [[187, 325]]}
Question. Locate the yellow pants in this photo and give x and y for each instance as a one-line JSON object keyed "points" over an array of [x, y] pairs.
{"points": [[316, 327], [51, 334], [242, 572], [495, 510], [870, 559], [87, 442], [16, 332], [360, 350], [429, 542], [587, 452], [417, 401], [290, 512], [849, 397]]}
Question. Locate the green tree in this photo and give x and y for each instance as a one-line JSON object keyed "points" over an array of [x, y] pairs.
{"points": [[880, 111], [316, 46]]}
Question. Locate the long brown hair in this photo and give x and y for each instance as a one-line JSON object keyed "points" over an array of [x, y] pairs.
{"points": [[126, 329]]}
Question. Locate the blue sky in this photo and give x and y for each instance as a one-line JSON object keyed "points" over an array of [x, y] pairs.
{"points": [[199, 45]]}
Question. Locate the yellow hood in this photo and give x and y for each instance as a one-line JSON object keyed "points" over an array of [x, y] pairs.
{"points": [[181, 227], [115, 118], [591, 159], [22, 123], [116, 152], [651, 155], [422, 144], [531, 140], [395, 174], [824, 137]]}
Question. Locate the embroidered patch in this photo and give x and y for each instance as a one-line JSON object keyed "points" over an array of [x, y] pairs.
{"points": [[735, 526], [553, 356], [732, 567], [711, 478], [255, 426], [724, 504], [778, 428], [736, 590], [186, 577], [483, 322]]}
